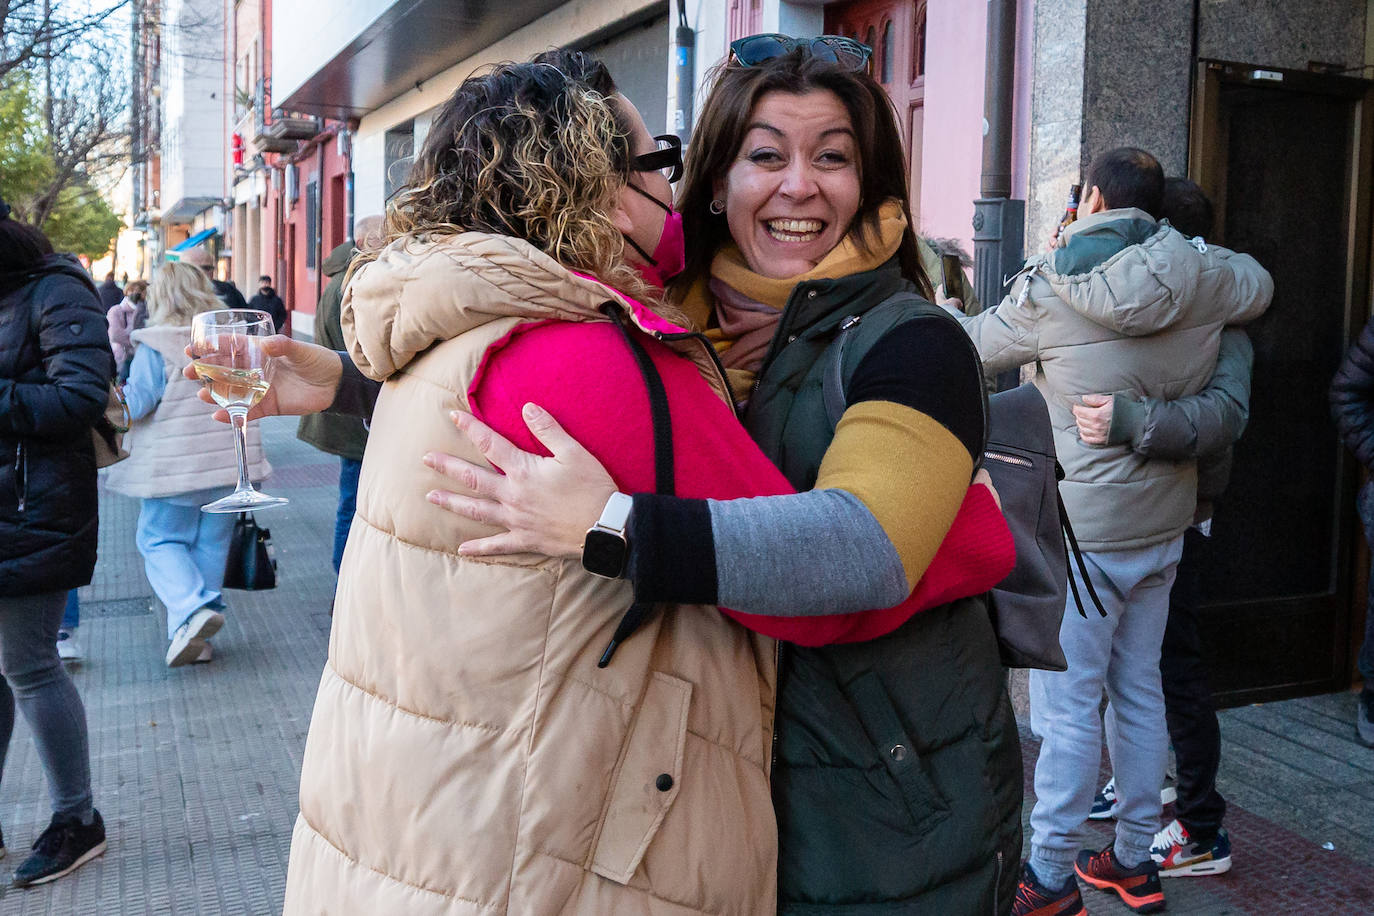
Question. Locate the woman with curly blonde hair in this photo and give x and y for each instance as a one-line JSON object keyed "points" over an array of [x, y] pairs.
{"points": [[179, 459], [466, 751]]}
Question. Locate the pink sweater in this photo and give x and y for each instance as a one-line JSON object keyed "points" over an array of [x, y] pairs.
{"points": [[585, 375]]}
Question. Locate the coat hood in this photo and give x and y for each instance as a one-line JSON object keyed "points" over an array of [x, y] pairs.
{"points": [[1125, 272], [337, 260], [418, 293]]}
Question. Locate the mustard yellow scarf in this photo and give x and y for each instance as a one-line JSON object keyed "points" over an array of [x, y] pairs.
{"points": [[714, 313]]}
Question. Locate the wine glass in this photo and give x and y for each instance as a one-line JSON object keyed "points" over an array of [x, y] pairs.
{"points": [[226, 352]]}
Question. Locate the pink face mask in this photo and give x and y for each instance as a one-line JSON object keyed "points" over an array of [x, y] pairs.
{"points": [[670, 254]]}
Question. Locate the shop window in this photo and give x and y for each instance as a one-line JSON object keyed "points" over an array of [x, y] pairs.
{"points": [[312, 222], [889, 41], [918, 51]]}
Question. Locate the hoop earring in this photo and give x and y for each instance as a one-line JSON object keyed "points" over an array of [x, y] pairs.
{"points": [[717, 207]]}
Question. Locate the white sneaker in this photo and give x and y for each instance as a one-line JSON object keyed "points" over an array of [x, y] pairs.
{"points": [[68, 649], [189, 639]]}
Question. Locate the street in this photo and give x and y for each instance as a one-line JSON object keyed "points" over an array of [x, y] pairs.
{"points": [[195, 769]]}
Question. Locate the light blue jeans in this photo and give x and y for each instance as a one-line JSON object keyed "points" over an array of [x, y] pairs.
{"points": [[183, 554], [1121, 654]]}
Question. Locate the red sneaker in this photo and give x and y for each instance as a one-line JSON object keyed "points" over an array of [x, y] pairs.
{"points": [[1138, 887], [1035, 899]]}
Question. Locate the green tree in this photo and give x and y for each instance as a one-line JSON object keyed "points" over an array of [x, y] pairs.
{"points": [[76, 218]]}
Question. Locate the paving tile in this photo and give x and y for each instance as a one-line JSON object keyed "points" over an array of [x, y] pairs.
{"points": [[196, 770]]}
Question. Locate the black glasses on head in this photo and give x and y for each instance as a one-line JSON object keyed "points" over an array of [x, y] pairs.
{"points": [[846, 53], [667, 158]]}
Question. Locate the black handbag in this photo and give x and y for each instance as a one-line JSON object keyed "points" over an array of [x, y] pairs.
{"points": [[250, 565], [1027, 607]]}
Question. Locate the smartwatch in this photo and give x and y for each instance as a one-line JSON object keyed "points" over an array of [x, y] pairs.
{"points": [[606, 550]]}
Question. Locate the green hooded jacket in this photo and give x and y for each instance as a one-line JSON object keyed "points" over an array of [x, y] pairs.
{"points": [[333, 433]]}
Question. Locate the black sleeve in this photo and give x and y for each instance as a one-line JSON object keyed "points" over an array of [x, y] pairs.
{"points": [[70, 392], [1352, 397], [929, 365], [356, 395], [672, 551]]}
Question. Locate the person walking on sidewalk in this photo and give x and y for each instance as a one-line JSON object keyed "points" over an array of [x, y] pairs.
{"points": [[1123, 304], [1352, 405], [55, 369], [179, 459], [267, 300], [1204, 427], [332, 433], [110, 293]]}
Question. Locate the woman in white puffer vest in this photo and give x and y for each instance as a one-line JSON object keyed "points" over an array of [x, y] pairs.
{"points": [[179, 459]]}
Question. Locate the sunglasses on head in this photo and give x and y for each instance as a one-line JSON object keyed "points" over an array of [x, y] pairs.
{"points": [[846, 53], [667, 158]]}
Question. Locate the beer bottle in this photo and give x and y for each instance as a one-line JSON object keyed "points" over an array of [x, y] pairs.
{"points": [[1071, 208]]}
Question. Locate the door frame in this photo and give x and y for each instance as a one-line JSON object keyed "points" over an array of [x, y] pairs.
{"points": [[1207, 166]]}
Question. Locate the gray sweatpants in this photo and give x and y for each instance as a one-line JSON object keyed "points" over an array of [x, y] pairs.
{"points": [[1121, 654], [34, 676]]}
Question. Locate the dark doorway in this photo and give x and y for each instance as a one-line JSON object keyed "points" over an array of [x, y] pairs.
{"points": [[1287, 160]]}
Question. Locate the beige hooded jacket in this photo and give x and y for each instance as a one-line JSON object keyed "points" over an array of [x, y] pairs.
{"points": [[466, 755], [1145, 318]]}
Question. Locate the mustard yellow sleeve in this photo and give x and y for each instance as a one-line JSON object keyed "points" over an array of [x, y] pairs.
{"points": [[908, 469]]}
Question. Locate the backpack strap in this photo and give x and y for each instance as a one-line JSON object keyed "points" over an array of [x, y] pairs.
{"points": [[664, 482]]}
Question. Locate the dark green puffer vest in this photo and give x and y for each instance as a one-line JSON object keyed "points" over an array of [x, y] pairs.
{"points": [[897, 778]]}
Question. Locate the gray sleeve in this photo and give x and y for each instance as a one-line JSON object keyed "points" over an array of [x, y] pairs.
{"points": [[804, 554], [1204, 424]]}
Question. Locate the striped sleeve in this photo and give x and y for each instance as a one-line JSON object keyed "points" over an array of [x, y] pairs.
{"points": [[907, 444]]}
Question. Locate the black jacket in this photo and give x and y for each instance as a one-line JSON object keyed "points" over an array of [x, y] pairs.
{"points": [[55, 371], [273, 305], [110, 294], [1352, 397], [229, 294]]}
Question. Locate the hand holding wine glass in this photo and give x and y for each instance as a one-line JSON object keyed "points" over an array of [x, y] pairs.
{"points": [[227, 355]]}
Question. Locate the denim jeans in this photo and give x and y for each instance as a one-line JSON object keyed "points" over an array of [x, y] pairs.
{"points": [[1121, 654], [348, 504], [1366, 659], [183, 551], [35, 678], [71, 614]]}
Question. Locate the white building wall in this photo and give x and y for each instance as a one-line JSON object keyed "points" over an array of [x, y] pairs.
{"points": [[303, 40], [563, 26], [193, 139]]}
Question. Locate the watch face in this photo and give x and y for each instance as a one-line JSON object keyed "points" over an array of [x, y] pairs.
{"points": [[603, 553]]}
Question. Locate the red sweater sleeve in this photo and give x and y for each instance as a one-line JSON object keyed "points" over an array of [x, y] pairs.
{"points": [[585, 376]]}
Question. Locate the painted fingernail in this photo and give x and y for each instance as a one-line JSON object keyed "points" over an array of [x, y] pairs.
{"points": [[531, 411]]}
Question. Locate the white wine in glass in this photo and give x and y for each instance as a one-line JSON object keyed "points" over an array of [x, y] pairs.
{"points": [[226, 353]]}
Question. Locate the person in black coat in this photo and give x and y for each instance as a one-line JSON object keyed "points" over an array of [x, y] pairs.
{"points": [[1352, 405], [110, 293], [268, 301], [55, 371]]}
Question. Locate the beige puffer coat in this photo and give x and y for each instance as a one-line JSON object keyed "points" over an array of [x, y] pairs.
{"points": [[466, 755], [1145, 320], [180, 447]]}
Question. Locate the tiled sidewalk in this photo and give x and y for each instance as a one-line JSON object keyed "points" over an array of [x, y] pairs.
{"points": [[196, 769]]}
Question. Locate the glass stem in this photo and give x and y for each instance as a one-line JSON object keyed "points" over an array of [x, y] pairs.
{"points": [[238, 418]]}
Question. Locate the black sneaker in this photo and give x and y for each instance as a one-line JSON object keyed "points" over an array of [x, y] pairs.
{"points": [[1035, 899], [65, 846]]}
